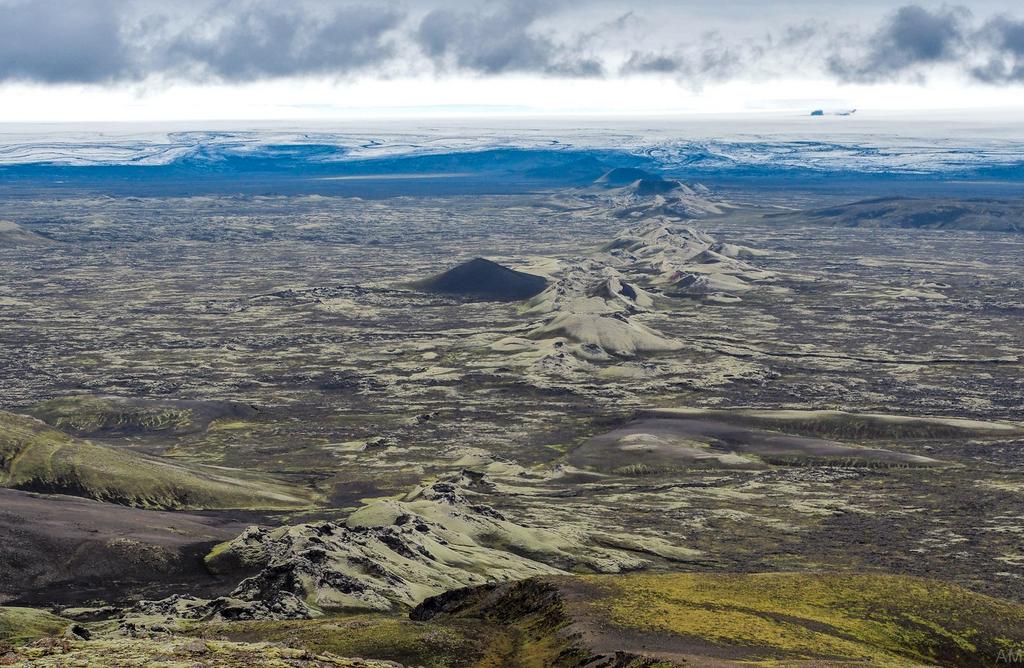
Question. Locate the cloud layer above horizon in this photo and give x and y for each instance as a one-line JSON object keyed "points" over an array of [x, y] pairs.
{"points": [[111, 42]]}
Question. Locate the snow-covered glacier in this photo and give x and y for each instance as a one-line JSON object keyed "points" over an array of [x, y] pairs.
{"points": [[863, 144]]}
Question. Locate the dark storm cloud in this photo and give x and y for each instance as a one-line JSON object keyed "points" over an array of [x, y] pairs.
{"points": [[499, 41], [912, 37], [716, 57], [110, 41], [90, 41], [654, 63], [261, 40], [715, 62], [1005, 64], [62, 42]]}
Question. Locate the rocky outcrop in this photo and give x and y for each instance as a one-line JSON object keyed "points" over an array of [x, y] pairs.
{"points": [[389, 555]]}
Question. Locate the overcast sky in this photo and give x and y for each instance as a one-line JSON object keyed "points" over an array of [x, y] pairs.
{"points": [[213, 59]]}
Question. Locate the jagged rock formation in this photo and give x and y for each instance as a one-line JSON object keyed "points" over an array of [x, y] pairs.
{"points": [[388, 555]]}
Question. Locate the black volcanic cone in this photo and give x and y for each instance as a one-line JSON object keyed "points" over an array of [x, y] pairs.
{"points": [[485, 280]]}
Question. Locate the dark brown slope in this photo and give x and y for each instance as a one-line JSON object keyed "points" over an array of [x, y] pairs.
{"points": [[67, 549]]}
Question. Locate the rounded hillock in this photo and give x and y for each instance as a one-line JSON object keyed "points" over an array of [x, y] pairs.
{"points": [[14, 235]]}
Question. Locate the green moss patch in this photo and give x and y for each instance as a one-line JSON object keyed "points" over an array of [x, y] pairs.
{"points": [[174, 652], [374, 637]]}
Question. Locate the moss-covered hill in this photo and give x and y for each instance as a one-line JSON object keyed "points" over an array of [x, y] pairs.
{"points": [[21, 625], [732, 619], [884, 620], [36, 457]]}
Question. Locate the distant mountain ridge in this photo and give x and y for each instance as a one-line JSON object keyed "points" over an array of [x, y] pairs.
{"points": [[986, 215]]}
